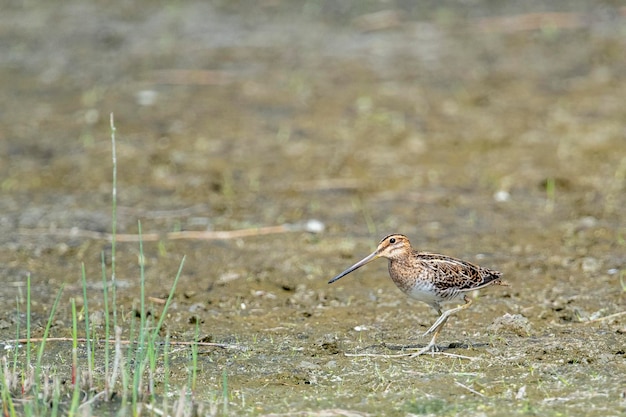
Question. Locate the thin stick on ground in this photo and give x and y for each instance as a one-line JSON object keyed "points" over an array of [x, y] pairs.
{"points": [[403, 355], [311, 226], [473, 391], [609, 317]]}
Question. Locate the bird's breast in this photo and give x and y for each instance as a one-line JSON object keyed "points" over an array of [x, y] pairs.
{"points": [[420, 283]]}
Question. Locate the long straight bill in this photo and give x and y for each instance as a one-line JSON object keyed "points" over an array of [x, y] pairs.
{"points": [[357, 265]]}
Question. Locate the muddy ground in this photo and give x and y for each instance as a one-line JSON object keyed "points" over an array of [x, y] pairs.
{"points": [[489, 132]]}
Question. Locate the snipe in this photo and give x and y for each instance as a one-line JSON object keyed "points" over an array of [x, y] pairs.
{"points": [[430, 278]]}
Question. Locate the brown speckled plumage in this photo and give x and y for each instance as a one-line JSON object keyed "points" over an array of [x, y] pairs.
{"points": [[429, 277]]}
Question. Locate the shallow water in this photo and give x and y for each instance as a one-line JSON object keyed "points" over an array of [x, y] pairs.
{"points": [[491, 134]]}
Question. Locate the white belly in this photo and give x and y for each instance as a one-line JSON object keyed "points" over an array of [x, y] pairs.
{"points": [[427, 293]]}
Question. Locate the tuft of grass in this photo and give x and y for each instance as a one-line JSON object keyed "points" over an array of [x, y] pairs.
{"points": [[100, 369]]}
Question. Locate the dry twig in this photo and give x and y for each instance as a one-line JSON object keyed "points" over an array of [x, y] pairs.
{"points": [[311, 226]]}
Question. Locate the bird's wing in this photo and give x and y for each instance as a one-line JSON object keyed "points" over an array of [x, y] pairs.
{"points": [[456, 273]]}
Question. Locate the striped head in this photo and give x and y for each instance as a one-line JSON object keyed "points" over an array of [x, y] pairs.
{"points": [[394, 246]]}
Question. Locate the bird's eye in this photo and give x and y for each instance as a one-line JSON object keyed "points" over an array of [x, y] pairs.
{"points": [[392, 240]]}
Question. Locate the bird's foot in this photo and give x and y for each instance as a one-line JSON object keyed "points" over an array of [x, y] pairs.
{"points": [[430, 348]]}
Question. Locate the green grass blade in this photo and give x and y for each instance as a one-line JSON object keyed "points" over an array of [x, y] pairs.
{"points": [[28, 324], [42, 346], [8, 408], [17, 333], [56, 399], [168, 302], [113, 216], [107, 330], [87, 328], [166, 373], [75, 371], [225, 392], [194, 357], [141, 348]]}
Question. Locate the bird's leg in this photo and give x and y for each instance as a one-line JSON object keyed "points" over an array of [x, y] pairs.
{"points": [[432, 345], [436, 328]]}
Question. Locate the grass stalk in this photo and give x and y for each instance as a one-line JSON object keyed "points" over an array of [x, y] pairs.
{"points": [[8, 408], [42, 345], [17, 334], [166, 373], [194, 358], [88, 335], [132, 355], [140, 351], [36, 383], [109, 385], [28, 327], [75, 371], [152, 355], [224, 392], [56, 395], [119, 367], [550, 194], [113, 218]]}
